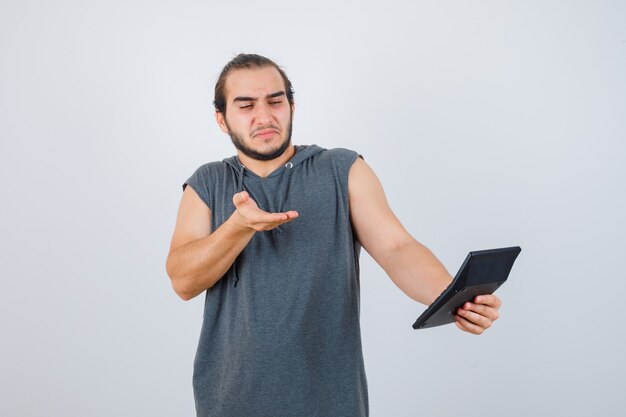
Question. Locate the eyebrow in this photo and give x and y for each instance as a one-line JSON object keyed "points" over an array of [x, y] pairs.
{"points": [[243, 98]]}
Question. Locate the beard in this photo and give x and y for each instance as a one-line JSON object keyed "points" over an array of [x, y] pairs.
{"points": [[260, 156]]}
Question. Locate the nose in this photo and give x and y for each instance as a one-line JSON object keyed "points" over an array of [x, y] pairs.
{"points": [[263, 114]]}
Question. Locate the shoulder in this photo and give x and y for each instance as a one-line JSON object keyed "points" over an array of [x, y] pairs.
{"points": [[337, 163], [211, 167], [206, 173], [340, 156]]}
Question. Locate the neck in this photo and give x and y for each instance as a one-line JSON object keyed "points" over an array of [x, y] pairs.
{"points": [[265, 168]]}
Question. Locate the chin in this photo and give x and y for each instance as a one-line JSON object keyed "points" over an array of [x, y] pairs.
{"points": [[259, 149], [264, 153]]}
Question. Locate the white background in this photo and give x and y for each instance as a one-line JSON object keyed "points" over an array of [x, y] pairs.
{"points": [[489, 124]]}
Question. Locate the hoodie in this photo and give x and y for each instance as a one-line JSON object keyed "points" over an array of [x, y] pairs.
{"points": [[280, 333]]}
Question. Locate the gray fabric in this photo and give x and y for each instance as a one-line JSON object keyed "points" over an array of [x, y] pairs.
{"points": [[281, 335]]}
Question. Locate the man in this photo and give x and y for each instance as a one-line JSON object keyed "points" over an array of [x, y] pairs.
{"points": [[273, 236]]}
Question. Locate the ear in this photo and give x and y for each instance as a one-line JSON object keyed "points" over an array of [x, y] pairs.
{"points": [[219, 116], [293, 108]]}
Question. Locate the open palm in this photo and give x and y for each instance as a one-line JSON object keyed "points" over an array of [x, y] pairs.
{"points": [[252, 216]]}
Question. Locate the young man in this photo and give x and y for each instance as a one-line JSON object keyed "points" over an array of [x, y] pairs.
{"points": [[273, 236]]}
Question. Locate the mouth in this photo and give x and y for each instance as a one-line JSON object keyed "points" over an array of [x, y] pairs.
{"points": [[265, 133]]}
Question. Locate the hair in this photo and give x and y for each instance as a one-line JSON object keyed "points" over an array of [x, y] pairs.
{"points": [[246, 61]]}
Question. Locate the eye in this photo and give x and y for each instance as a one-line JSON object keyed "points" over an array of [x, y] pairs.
{"points": [[276, 102], [246, 106]]}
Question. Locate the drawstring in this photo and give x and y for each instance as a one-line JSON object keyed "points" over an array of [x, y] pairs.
{"points": [[242, 168], [283, 194]]}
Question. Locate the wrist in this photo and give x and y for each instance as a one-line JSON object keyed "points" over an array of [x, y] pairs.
{"points": [[238, 225]]}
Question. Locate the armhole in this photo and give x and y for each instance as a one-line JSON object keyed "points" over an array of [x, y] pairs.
{"points": [[199, 187], [345, 158], [356, 245], [350, 161]]}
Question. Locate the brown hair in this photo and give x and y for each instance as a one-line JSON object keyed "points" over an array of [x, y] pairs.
{"points": [[247, 61]]}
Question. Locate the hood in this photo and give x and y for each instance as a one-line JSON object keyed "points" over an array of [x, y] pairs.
{"points": [[303, 152]]}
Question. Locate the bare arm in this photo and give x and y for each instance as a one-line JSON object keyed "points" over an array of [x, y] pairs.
{"points": [[411, 266], [198, 257]]}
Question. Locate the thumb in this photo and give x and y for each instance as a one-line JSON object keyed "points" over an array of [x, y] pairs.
{"points": [[240, 198]]}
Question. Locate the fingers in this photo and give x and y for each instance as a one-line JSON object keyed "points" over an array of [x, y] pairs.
{"points": [[482, 310], [474, 319], [269, 221], [243, 197], [477, 317], [251, 216], [468, 326], [278, 218], [261, 216], [488, 299]]}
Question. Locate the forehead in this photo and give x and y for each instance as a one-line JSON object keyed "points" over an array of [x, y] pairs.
{"points": [[253, 82]]}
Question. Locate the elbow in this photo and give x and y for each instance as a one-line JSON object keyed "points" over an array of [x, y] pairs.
{"points": [[182, 293], [178, 281], [182, 289]]}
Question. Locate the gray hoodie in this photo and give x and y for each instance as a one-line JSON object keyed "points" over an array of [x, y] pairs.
{"points": [[281, 334]]}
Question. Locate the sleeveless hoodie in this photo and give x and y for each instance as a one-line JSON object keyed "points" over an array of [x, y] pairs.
{"points": [[281, 333]]}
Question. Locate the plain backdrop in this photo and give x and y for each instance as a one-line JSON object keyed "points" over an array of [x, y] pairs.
{"points": [[489, 123]]}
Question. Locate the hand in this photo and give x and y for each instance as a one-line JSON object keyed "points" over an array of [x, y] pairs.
{"points": [[478, 316], [248, 214]]}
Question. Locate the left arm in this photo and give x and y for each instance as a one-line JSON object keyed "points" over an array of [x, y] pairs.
{"points": [[409, 264]]}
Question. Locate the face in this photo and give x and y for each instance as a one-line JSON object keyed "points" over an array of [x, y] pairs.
{"points": [[258, 115]]}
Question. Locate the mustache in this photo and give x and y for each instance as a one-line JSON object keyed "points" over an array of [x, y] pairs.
{"points": [[254, 132]]}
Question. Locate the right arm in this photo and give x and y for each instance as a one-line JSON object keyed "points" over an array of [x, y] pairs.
{"points": [[198, 257]]}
